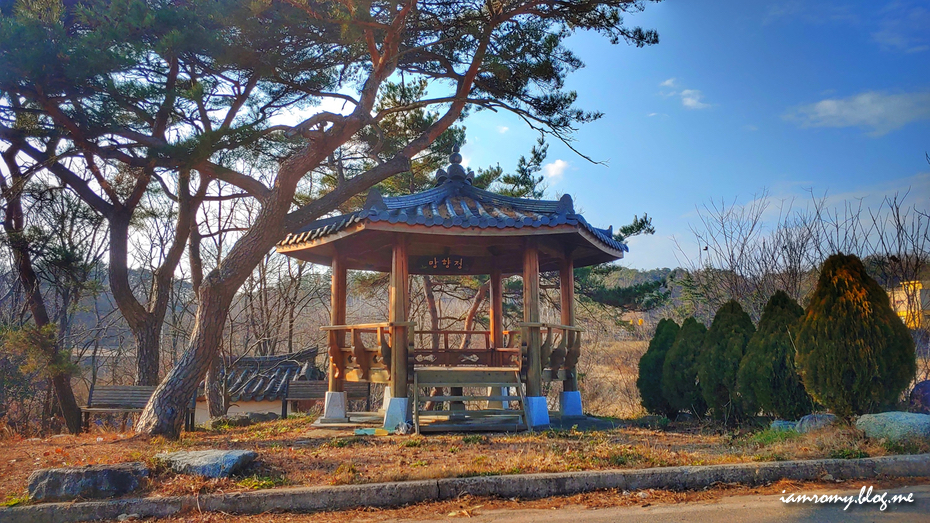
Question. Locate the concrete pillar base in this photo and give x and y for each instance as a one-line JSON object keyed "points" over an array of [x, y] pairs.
{"points": [[498, 391], [396, 412], [570, 404], [334, 408], [537, 411]]}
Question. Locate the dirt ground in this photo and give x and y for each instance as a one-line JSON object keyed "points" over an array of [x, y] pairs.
{"points": [[294, 453]]}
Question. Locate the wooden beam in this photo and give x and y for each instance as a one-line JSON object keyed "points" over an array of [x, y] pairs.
{"points": [[398, 314], [497, 309], [337, 315], [531, 315], [567, 296]]}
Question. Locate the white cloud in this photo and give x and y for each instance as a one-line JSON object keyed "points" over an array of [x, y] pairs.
{"points": [[903, 27], [691, 98], [879, 112], [750, 128], [553, 171], [502, 129]]}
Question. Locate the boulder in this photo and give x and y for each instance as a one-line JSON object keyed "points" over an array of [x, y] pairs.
{"points": [[209, 463], [261, 417], [920, 398], [895, 426], [782, 425], [234, 420], [813, 422], [91, 482]]}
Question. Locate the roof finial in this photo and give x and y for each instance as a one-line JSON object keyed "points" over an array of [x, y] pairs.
{"points": [[455, 157]]}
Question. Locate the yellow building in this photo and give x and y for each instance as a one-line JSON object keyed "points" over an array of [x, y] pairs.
{"points": [[911, 300]]}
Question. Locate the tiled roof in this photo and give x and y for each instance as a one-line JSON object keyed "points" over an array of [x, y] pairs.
{"points": [[265, 378], [455, 203]]}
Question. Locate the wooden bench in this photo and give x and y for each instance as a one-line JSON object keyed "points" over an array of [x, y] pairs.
{"points": [[315, 390], [111, 399]]}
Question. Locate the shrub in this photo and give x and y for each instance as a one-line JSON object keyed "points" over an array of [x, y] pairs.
{"points": [[768, 379], [723, 350], [679, 372], [854, 353], [649, 381]]}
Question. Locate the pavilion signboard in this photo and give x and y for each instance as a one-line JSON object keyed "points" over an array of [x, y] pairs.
{"points": [[441, 264]]}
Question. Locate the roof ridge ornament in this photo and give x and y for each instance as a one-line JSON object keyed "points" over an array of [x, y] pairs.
{"points": [[566, 205], [374, 201], [454, 172]]}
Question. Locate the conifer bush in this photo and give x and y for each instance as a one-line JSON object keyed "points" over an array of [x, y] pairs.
{"points": [[723, 350], [768, 379], [649, 381], [854, 353], [679, 372]]}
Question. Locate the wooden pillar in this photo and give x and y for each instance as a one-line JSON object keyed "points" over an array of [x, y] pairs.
{"points": [[567, 295], [531, 315], [497, 310], [496, 315], [398, 314], [337, 316]]}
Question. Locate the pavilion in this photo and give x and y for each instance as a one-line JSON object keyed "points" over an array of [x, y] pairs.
{"points": [[455, 228]]}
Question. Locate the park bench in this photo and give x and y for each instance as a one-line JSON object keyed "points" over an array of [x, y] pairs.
{"points": [[315, 390], [115, 399]]}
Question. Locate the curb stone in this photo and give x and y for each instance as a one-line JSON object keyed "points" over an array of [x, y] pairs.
{"points": [[526, 486]]}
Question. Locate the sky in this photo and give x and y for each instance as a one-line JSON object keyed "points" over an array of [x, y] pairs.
{"points": [[738, 97]]}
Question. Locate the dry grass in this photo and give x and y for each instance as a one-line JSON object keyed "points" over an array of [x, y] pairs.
{"points": [[607, 378], [293, 453]]}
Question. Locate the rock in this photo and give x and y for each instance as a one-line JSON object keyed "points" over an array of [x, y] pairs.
{"points": [[782, 425], [827, 477], [222, 422], [813, 422], [261, 417], [97, 481], [642, 495], [209, 463], [920, 398], [684, 416], [128, 517], [895, 426]]}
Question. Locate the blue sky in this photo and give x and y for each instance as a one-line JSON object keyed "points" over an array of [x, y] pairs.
{"points": [[738, 97]]}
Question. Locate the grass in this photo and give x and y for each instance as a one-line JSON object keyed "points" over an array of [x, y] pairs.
{"points": [[475, 439], [261, 482], [768, 437], [12, 501], [293, 453], [910, 446], [848, 453]]}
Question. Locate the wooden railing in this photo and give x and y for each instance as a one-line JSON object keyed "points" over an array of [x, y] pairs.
{"points": [[561, 347], [361, 361], [433, 348]]}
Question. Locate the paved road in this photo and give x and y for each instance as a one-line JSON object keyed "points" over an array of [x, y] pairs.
{"points": [[755, 509]]}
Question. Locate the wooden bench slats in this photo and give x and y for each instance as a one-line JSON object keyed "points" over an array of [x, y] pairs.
{"points": [[307, 390], [124, 398]]}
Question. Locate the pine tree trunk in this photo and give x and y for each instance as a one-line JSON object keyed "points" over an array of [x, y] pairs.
{"points": [[148, 341], [165, 412], [214, 389], [14, 225], [69, 407]]}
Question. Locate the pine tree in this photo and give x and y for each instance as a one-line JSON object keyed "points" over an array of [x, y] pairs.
{"points": [[768, 379], [679, 372], [723, 349], [854, 353], [649, 381]]}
